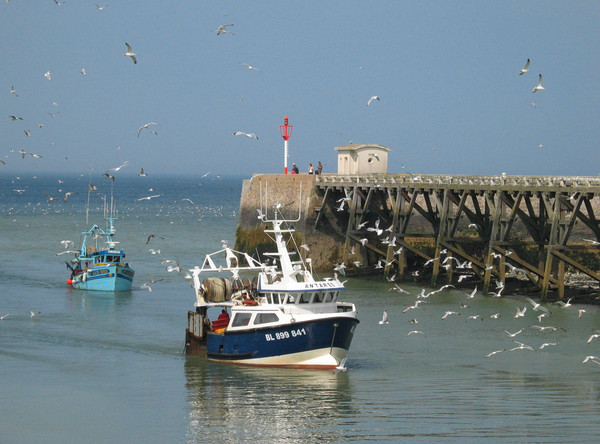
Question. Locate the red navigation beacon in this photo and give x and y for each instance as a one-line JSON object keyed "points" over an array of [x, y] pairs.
{"points": [[286, 133]]}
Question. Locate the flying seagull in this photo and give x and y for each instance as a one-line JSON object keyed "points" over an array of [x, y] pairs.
{"points": [[539, 86], [130, 53], [149, 197], [373, 98], [119, 167], [151, 236], [12, 91], [250, 67], [145, 126], [223, 29], [249, 135], [525, 68], [494, 353]]}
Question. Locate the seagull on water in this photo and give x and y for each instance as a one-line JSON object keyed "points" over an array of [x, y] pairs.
{"points": [[130, 53], [525, 68], [384, 318], [141, 173], [248, 135], [539, 86], [4, 316]]}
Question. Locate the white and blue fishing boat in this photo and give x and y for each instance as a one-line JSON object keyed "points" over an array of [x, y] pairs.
{"points": [[283, 317], [99, 264]]}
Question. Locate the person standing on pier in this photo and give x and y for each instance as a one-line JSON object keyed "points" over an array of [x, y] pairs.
{"points": [[295, 169], [319, 167], [310, 168]]}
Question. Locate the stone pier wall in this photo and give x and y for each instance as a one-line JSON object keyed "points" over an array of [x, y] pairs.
{"points": [[296, 194]]}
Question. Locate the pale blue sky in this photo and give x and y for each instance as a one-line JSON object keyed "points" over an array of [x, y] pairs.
{"points": [[452, 101]]}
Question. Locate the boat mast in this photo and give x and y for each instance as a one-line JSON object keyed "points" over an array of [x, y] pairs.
{"points": [[87, 207], [109, 215]]}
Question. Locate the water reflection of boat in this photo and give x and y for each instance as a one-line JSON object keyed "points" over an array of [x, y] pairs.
{"points": [[239, 404], [283, 318]]}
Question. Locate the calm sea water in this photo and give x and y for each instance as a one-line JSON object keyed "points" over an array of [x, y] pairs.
{"points": [[93, 367]]}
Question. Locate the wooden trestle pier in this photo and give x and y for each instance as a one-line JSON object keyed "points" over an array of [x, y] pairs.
{"points": [[492, 227]]}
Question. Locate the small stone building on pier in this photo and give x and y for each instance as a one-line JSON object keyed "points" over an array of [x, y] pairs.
{"points": [[362, 159]]}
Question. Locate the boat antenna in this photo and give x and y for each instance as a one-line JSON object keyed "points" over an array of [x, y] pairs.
{"points": [[87, 207]]}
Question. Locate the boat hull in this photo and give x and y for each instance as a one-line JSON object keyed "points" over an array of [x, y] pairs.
{"points": [[104, 278], [316, 344]]}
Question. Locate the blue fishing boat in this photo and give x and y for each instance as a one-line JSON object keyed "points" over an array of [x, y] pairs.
{"points": [[282, 317], [99, 264]]}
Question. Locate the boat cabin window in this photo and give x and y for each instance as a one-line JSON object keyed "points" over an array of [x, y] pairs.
{"points": [[290, 299], [304, 298], [317, 297], [241, 319], [329, 296], [265, 318]]}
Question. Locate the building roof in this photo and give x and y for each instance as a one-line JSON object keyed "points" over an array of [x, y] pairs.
{"points": [[359, 146]]}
